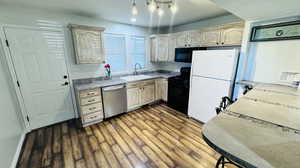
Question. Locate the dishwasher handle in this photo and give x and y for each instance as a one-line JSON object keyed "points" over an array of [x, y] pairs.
{"points": [[112, 88]]}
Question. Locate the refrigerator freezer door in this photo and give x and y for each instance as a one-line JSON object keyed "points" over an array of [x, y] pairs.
{"points": [[218, 64], [205, 96]]}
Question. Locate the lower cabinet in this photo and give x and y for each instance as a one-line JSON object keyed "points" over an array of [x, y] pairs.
{"points": [[140, 93], [90, 108], [148, 94], [133, 97], [161, 89]]}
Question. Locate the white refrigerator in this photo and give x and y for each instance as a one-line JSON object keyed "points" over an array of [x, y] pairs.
{"points": [[212, 77]]}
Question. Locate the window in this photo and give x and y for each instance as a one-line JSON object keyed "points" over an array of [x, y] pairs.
{"points": [[115, 51], [138, 52]]}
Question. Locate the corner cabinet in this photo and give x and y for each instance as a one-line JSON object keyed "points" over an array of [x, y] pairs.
{"points": [[88, 44]]}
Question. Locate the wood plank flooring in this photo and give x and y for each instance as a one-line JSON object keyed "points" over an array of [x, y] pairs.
{"points": [[152, 137]]}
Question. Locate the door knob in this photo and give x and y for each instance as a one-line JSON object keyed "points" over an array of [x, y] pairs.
{"points": [[65, 84]]}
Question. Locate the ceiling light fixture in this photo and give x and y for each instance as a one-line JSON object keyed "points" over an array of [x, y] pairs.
{"points": [[160, 11], [154, 5], [134, 9]]}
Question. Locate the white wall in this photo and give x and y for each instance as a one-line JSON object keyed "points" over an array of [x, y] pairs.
{"points": [[266, 60], [35, 17], [11, 125]]}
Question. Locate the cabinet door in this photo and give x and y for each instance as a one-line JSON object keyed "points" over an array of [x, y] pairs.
{"points": [[88, 46], [181, 39], [172, 46], [210, 37], [194, 38], [164, 89], [153, 49], [147, 94], [232, 36], [162, 48], [133, 98], [158, 94]]}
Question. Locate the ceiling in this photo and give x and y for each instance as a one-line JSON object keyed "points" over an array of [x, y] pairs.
{"points": [[255, 10], [120, 10]]}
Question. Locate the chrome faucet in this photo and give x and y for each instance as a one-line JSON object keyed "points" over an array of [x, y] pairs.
{"points": [[135, 68]]}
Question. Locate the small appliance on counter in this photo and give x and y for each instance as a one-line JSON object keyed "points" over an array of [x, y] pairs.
{"points": [[178, 90]]}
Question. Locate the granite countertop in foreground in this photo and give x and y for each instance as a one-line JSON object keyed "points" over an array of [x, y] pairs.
{"points": [[90, 83], [260, 130]]}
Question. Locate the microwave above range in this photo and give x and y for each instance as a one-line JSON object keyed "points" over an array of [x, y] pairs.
{"points": [[185, 54]]}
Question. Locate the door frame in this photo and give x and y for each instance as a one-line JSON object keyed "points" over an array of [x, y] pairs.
{"points": [[13, 73]]}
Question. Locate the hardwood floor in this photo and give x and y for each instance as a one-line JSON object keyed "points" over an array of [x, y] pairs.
{"points": [[155, 136]]}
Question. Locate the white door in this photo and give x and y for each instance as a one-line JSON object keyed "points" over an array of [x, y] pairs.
{"points": [[205, 96], [39, 61], [219, 64]]}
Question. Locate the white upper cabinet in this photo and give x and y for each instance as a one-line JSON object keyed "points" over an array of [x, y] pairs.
{"points": [[181, 39], [232, 35], [225, 35], [172, 47], [159, 48], [88, 44], [210, 37], [163, 46], [194, 38], [188, 39]]}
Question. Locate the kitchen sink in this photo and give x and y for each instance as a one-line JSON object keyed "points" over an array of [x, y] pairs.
{"points": [[136, 77]]}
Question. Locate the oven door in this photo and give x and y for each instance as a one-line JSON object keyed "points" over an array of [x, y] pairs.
{"points": [[178, 95]]}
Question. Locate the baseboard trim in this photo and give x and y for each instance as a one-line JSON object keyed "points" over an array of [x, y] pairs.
{"points": [[18, 151]]}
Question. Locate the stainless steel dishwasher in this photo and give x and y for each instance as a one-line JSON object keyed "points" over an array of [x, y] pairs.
{"points": [[114, 100]]}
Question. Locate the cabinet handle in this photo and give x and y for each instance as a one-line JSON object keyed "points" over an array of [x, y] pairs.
{"points": [[222, 43], [93, 108], [65, 84], [91, 100], [93, 117], [217, 43], [91, 93]]}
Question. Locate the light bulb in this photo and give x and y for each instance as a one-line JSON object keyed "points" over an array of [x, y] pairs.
{"points": [[152, 6], [173, 8], [160, 12], [134, 9], [133, 19]]}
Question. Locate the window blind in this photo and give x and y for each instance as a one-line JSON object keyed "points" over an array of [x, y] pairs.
{"points": [[138, 50], [115, 50]]}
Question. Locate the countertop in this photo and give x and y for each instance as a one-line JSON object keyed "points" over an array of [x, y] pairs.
{"points": [[261, 129], [83, 84]]}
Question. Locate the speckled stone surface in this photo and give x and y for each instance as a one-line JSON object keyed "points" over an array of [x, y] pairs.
{"points": [[83, 84], [260, 130]]}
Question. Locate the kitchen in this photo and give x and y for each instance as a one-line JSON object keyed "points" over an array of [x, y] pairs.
{"points": [[118, 92]]}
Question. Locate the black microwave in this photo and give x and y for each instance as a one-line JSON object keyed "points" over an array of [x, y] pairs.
{"points": [[185, 54]]}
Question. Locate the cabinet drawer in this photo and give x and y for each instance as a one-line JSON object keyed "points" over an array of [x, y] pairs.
{"points": [[149, 82], [89, 93], [90, 100], [93, 117], [133, 84], [91, 108]]}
